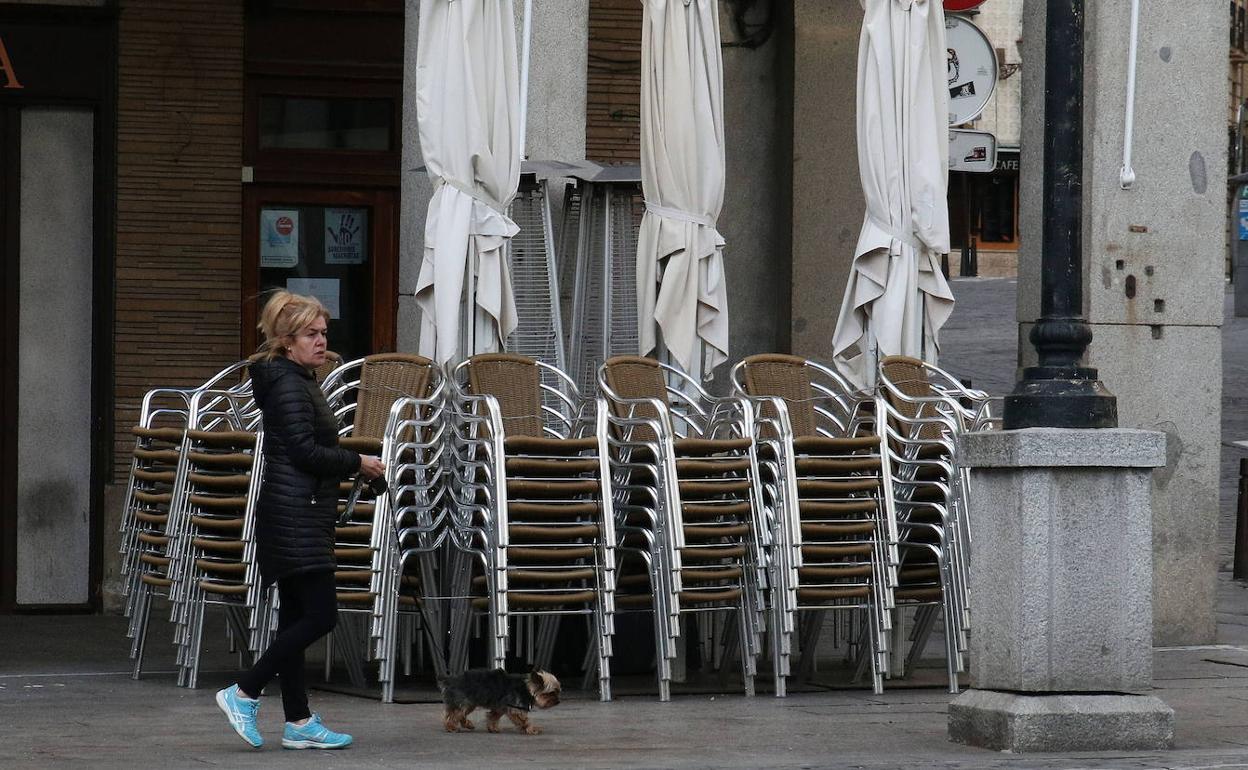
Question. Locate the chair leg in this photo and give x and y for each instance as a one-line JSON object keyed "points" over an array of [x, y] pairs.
{"points": [[143, 612], [873, 651], [952, 662], [662, 664], [747, 656], [779, 658]]}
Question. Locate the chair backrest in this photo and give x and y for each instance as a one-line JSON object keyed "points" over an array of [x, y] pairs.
{"points": [[384, 378], [909, 376], [636, 377], [332, 362], [786, 377], [515, 382]]}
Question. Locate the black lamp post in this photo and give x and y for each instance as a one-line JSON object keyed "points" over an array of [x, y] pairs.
{"points": [[1059, 393]]}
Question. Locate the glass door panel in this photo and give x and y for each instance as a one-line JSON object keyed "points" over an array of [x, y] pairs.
{"points": [[324, 252], [336, 245]]}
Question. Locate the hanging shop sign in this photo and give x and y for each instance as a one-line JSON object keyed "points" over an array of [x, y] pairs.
{"points": [[974, 152], [955, 6], [971, 68]]}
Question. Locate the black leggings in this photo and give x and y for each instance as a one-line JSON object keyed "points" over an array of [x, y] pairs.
{"points": [[309, 610]]}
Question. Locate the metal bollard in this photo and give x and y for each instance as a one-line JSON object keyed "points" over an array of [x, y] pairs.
{"points": [[1241, 524]]}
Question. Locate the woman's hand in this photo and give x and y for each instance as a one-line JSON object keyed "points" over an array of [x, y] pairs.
{"points": [[371, 467]]}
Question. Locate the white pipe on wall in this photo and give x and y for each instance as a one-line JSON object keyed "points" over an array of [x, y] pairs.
{"points": [[1127, 176], [524, 76]]}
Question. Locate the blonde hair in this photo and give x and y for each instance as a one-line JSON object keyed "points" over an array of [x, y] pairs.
{"points": [[284, 315]]}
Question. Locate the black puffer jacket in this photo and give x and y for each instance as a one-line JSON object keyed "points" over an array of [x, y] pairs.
{"points": [[303, 466]]}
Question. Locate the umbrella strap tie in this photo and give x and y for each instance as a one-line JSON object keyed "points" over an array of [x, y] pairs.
{"points": [[896, 234], [471, 192], [667, 212]]}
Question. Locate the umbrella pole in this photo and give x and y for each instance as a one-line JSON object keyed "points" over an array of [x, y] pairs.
{"points": [[468, 327], [524, 75]]}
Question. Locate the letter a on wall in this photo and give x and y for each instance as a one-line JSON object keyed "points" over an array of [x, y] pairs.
{"points": [[6, 64]]}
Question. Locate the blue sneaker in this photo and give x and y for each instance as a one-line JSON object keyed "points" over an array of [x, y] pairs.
{"points": [[242, 714], [313, 735]]}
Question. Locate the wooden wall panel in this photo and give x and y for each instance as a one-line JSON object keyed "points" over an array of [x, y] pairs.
{"points": [[613, 82], [179, 198]]}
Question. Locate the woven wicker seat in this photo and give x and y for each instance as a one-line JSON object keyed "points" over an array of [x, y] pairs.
{"points": [[384, 378]]}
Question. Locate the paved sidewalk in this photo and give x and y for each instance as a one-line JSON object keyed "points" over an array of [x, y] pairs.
{"points": [[66, 699]]}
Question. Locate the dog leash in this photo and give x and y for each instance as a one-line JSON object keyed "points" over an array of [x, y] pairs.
{"points": [[378, 486]]}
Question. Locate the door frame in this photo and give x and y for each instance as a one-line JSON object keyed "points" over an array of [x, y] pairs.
{"points": [[53, 79], [383, 234]]}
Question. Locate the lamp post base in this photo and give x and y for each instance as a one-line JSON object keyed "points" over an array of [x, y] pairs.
{"points": [[1060, 397], [1032, 722]]}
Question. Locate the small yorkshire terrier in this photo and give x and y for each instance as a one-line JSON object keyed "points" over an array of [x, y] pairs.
{"points": [[498, 693]]}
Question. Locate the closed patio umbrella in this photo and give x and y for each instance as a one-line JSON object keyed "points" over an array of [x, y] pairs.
{"points": [[468, 113], [680, 269], [896, 298]]}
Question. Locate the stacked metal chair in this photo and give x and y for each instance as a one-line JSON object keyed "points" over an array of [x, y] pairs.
{"points": [[213, 525], [157, 471], [362, 393], [687, 507], [531, 259], [922, 411], [534, 532], [825, 484], [603, 211], [413, 542]]}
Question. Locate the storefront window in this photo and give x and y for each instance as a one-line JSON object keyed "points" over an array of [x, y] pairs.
{"points": [[985, 206], [314, 123]]}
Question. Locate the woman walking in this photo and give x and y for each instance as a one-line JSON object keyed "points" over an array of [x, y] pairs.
{"points": [[303, 466]]}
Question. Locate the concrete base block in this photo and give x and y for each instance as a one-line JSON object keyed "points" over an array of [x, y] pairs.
{"points": [[1029, 723], [1061, 559]]}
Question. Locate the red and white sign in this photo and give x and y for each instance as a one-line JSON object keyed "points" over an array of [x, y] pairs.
{"points": [[962, 5], [279, 238]]}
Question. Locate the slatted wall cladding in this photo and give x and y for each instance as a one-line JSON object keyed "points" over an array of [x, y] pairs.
{"points": [[613, 99], [179, 198]]}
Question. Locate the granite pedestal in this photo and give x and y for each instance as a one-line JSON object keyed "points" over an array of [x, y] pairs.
{"points": [[1061, 592]]}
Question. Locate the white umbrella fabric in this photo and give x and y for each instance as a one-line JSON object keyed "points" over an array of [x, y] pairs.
{"points": [[680, 267], [468, 113], [896, 298]]}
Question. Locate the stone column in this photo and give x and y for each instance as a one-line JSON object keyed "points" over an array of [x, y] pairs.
{"points": [[827, 193], [1153, 280], [1061, 592]]}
